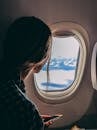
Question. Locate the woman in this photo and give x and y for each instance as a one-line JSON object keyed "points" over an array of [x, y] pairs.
{"points": [[26, 48]]}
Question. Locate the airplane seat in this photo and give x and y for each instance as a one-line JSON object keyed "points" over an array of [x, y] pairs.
{"points": [[86, 122]]}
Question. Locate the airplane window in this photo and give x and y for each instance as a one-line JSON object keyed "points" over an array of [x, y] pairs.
{"points": [[66, 65], [63, 64], [94, 67]]}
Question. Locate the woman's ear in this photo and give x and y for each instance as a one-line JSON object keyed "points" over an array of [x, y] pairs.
{"points": [[36, 68], [30, 69], [25, 74]]}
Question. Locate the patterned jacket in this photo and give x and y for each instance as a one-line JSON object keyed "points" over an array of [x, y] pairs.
{"points": [[16, 111]]}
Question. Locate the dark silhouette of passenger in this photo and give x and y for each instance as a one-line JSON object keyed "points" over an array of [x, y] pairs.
{"points": [[26, 48]]}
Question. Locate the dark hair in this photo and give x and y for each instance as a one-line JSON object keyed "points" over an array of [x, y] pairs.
{"points": [[26, 39]]}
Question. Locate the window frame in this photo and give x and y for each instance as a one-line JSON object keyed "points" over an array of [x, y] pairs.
{"points": [[93, 67], [81, 34]]}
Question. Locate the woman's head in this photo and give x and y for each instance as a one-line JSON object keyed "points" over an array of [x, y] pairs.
{"points": [[26, 41]]}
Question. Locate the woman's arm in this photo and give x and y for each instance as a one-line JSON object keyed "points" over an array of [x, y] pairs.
{"points": [[21, 113]]}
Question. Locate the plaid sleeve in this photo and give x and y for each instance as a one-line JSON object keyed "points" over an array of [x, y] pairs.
{"points": [[21, 113]]}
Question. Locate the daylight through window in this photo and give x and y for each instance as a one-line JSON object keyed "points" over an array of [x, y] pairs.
{"points": [[63, 64]]}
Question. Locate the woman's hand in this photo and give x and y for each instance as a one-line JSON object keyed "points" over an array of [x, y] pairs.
{"points": [[47, 123]]}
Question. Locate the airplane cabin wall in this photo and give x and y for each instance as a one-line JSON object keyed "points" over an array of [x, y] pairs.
{"points": [[82, 12]]}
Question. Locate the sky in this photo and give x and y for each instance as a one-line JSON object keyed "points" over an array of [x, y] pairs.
{"points": [[62, 48], [65, 47]]}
